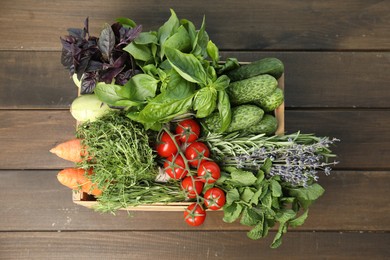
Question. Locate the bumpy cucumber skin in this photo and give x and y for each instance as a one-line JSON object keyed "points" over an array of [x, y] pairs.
{"points": [[271, 102], [271, 66], [248, 90], [243, 117], [267, 125]]}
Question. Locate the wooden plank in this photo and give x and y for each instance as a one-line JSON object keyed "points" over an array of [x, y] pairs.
{"points": [[313, 79], [191, 245], [35, 201], [231, 25], [364, 133]]}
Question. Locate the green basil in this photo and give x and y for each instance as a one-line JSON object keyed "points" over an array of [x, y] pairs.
{"points": [[224, 110], [146, 38], [205, 102], [180, 40], [187, 65], [212, 51], [139, 51], [168, 28]]}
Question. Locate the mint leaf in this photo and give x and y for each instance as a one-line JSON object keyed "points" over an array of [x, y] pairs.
{"points": [[243, 178], [266, 167], [285, 215], [306, 196], [247, 194], [232, 212], [299, 220], [256, 196], [258, 231], [278, 237], [276, 188], [249, 217], [231, 196]]}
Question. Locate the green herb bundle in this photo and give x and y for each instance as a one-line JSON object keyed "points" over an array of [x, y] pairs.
{"points": [[123, 163]]}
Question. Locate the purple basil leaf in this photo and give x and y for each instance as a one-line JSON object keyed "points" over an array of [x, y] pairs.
{"points": [[88, 83], [109, 74], [94, 66], [123, 77], [86, 27], [106, 42], [75, 32], [66, 58], [120, 62]]}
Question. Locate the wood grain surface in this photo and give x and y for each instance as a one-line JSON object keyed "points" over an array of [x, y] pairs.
{"points": [[337, 63]]}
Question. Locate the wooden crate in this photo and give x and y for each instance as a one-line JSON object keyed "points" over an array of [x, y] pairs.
{"points": [[89, 201]]}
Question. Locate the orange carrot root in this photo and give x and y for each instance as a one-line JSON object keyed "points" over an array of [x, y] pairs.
{"points": [[71, 150], [76, 178]]}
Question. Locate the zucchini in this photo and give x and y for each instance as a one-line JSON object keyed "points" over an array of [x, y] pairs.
{"points": [[268, 125], [271, 66], [252, 89], [271, 102], [243, 117]]}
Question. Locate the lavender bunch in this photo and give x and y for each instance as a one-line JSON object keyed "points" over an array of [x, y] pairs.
{"points": [[296, 158]]}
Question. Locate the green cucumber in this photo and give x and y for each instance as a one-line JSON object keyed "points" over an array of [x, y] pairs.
{"points": [[271, 66], [271, 102], [252, 89], [268, 125], [243, 117]]}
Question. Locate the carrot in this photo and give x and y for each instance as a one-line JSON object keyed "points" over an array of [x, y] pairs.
{"points": [[71, 150], [76, 178]]}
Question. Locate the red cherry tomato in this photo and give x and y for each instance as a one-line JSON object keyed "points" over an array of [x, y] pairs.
{"points": [[187, 185], [175, 167], [166, 146], [214, 198], [209, 172], [196, 152], [188, 130], [194, 215]]}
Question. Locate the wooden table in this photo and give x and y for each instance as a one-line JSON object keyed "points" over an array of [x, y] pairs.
{"points": [[337, 63]]}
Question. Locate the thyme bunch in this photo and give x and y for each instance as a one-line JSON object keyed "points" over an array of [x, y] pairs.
{"points": [[123, 163]]}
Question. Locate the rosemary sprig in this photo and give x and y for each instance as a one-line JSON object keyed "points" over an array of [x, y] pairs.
{"points": [[295, 157]]}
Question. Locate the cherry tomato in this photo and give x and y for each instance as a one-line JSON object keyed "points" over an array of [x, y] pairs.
{"points": [[214, 198], [188, 130], [188, 183], [194, 215], [209, 172], [166, 146], [196, 152], [175, 167]]}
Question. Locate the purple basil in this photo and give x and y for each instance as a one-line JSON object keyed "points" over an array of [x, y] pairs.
{"points": [[99, 59]]}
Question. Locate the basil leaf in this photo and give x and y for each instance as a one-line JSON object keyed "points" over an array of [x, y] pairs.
{"points": [[205, 102], [180, 40], [231, 63], [187, 65], [126, 22], [201, 40], [146, 38], [106, 41], [141, 87], [221, 83], [224, 109], [139, 51], [168, 28], [213, 52], [108, 93], [190, 29]]}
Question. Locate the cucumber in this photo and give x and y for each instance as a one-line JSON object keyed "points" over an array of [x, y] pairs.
{"points": [[243, 117], [267, 125], [252, 89], [271, 102], [271, 66]]}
